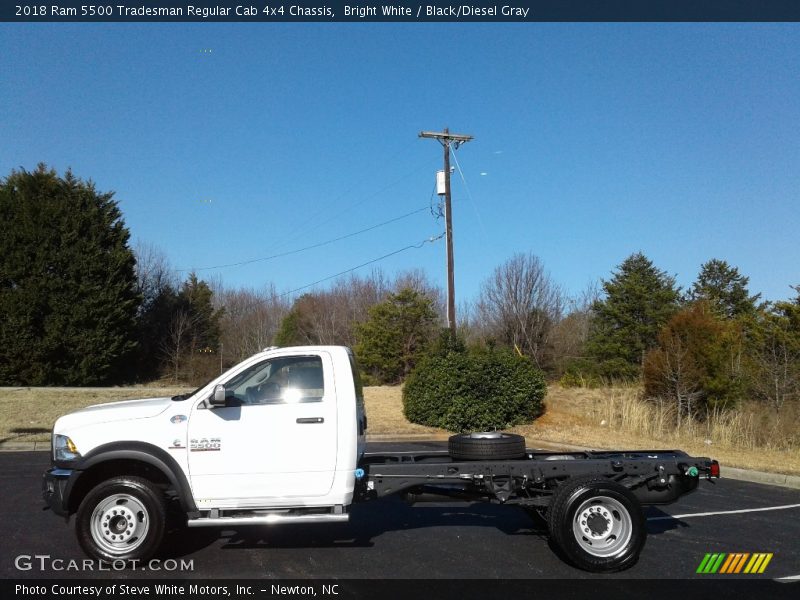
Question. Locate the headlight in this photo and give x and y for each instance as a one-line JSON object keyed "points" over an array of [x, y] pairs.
{"points": [[64, 449]]}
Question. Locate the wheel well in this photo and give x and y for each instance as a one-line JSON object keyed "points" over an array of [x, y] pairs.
{"points": [[114, 468]]}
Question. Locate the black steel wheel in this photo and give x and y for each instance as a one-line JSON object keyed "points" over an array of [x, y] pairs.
{"points": [[487, 445]]}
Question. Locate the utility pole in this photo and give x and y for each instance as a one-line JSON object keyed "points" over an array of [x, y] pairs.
{"points": [[446, 138]]}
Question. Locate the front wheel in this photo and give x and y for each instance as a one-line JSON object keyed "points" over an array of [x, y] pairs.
{"points": [[597, 523], [121, 519]]}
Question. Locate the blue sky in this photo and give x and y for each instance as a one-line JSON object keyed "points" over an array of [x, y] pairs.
{"points": [[228, 142]]}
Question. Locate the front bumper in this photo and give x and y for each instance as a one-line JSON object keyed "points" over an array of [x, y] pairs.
{"points": [[56, 484]]}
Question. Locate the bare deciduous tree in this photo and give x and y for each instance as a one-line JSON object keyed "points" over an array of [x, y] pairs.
{"points": [[350, 299], [330, 316], [325, 318], [250, 321], [520, 304], [174, 346], [673, 374], [154, 275], [571, 333], [777, 362]]}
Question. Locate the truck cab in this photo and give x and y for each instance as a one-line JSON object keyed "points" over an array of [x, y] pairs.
{"points": [[280, 434]]}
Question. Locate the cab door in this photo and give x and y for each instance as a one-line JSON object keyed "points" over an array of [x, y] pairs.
{"points": [[274, 440]]}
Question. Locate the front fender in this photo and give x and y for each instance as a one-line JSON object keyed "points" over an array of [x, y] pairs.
{"points": [[142, 452]]}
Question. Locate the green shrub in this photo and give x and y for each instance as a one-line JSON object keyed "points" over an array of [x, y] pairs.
{"points": [[474, 391]]}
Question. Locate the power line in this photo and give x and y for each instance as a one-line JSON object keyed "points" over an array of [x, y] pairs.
{"points": [[325, 243], [306, 226], [438, 213], [429, 240], [469, 195]]}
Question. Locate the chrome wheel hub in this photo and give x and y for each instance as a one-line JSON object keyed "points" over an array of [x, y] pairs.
{"points": [[119, 524], [602, 526]]}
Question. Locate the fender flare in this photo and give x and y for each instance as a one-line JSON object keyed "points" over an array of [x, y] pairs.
{"points": [[142, 452]]}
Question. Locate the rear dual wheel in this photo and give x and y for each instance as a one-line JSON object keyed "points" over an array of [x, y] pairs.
{"points": [[597, 523]]}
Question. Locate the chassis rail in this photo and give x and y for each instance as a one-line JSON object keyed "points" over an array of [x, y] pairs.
{"points": [[654, 476]]}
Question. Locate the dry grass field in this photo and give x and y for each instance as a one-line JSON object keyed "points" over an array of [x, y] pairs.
{"points": [[385, 413], [28, 414], [609, 418], [600, 418]]}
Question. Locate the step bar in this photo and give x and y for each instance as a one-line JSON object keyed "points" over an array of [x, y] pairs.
{"points": [[270, 519]]}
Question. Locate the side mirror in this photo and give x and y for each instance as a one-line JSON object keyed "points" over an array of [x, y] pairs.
{"points": [[218, 399]]}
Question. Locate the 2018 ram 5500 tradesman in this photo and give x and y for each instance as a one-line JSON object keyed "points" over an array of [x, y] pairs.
{"points": [[280, 438]]}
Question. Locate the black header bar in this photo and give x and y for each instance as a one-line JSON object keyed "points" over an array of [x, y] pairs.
{"points": [[399, 589], [518, 11]]}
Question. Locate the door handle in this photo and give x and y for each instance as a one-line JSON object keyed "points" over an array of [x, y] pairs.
{"points": [[306, 420]]}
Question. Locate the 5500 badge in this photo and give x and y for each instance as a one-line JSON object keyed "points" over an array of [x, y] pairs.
{"points": [[205, 444]]}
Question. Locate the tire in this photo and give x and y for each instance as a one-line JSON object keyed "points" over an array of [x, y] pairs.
{"points": [[598, 524], [121, 519], [490, 445]]}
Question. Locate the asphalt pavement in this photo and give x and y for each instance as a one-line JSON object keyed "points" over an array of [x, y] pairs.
{"points": [[388, 538]]}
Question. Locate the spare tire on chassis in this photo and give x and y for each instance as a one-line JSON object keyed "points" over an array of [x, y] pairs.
{"points": [[487, 445]]}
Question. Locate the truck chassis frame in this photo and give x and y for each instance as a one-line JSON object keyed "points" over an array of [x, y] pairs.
{"points": [[654, 476]]}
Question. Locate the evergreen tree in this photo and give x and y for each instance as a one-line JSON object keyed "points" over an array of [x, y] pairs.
{"points": [[155, 317], [639, 300], [288, 332], [68, 295], [196, 298], [724, 288], [395, 335], [191, 346]]}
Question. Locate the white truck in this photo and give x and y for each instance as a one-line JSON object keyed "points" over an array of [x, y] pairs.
{"points": [[280, 438]]}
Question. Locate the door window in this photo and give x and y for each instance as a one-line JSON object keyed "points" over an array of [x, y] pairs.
{"points": [[289, 380]]}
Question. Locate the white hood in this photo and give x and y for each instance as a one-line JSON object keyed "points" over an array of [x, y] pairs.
{"points": [[113, 411]]}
